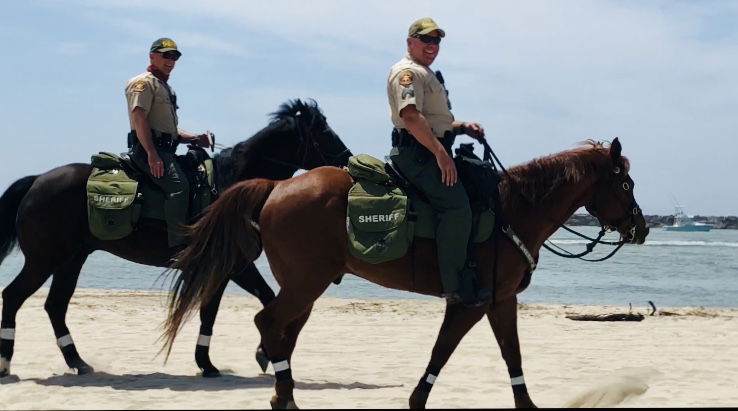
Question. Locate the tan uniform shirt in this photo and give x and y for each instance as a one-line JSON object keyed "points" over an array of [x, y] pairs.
{"points": [[151, 94], [412, 83]]}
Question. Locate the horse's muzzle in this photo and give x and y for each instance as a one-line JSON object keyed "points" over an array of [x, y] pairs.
{"points": [[636, 234]]}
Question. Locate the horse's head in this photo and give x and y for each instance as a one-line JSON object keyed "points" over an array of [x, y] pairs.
{"points": [[317, 143], [613, 201]]}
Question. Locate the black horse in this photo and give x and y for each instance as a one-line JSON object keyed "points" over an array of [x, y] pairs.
{"points": [[46, 216]]}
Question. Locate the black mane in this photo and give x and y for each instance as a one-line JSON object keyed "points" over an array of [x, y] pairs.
{"points": [[308, 109], [235, 163]]}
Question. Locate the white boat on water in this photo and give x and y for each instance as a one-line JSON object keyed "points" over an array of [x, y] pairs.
{"points": [[683, 222]]}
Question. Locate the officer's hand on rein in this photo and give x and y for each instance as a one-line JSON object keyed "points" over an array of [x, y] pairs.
{"points": [[202, 140], [473, 130]]}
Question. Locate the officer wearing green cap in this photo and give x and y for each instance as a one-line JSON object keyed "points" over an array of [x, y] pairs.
{"points": [[152, 112], [424, 131]]}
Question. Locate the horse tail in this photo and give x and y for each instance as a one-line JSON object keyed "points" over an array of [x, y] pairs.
{"points": [[224, 240], [9, 203]]}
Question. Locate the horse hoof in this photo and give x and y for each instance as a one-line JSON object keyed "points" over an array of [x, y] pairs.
{"points": [[214, 373], [525, 404], [85, 369], [9, 379], [262, 359], [4, 367], [279, 405], [418, 399]]}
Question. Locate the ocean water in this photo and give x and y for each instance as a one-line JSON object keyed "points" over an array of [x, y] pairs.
{"points": [[672, 269]]}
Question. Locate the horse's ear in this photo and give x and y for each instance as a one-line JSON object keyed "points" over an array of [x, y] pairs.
{"points": [[615, 150]]}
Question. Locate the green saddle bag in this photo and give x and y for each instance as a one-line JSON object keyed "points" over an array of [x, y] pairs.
{"points": [[377, 220], [112, 209]]}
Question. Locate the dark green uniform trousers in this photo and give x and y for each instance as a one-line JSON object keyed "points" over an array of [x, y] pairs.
{"points": [[451, 205], [176, 188]]}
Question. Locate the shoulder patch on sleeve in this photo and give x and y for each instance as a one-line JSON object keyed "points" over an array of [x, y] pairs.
{"points": [[139, 86], [406, 78]]}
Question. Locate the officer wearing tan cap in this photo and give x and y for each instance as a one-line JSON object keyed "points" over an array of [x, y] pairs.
{"points": [[152, 111], [424, 130]]}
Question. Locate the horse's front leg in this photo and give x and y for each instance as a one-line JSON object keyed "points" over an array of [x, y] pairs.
{"points": [[456, 323], [504, 320]]}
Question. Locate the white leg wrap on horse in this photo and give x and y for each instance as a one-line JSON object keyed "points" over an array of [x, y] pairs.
{"points": [[7, 333], [430, 379], [4, 365], [204, 340], [64, 341], [517, 380], [281, 366]]}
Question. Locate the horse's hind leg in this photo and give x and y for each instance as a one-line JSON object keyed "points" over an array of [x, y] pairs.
{"points": [[456, 323], [28, 281], [293, 331], [504, 321], [279, 324], [62, 287]]}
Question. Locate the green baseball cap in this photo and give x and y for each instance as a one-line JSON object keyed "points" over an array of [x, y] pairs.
{"points": [[424, 26], [164, 44]]}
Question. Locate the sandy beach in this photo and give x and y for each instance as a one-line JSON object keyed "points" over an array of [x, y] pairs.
{"points": [[370, 354]]}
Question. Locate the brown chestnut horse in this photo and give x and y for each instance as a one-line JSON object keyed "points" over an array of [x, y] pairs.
{"points": [[301, 223], [46, 216]]}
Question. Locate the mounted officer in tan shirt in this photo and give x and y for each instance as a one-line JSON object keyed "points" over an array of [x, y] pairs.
{"points": [[424, 131], [154, 136], [411, 83]]}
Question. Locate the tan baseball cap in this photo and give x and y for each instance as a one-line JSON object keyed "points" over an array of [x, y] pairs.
{"points": [[424, 26]]}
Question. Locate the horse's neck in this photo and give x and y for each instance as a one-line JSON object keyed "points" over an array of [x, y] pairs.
{"points": [[538, 222], [269, 161], [264, 157]]}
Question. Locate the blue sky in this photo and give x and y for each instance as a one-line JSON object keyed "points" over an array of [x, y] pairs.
{"points": [[539, 75]]}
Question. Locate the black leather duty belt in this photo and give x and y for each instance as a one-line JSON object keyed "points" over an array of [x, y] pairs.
{"points": [[403, 138], [163, 141]]}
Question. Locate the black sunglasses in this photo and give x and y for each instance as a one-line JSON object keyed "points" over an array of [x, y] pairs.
{"points": [[171, 55], [428, 39]]}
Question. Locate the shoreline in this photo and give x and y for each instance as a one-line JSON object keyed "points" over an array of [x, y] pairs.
{"points": [[369, 354]]}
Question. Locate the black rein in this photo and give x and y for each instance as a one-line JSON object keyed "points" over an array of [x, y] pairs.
{"points": [[489, 154]]}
